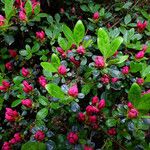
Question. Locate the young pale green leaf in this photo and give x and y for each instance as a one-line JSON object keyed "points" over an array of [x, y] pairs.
{"points": [[79, 32], [43, 100], [127, 19], [41, 114], [103, 42], [146, 71], [55, 91], [68, 34], [28, 8], [114, 46], [55, 60], [33, 146], [111, 122], [87, 43], [37, 9], [16, 103], [135, 67], [48, 67], [134, 94], [63, 43]]}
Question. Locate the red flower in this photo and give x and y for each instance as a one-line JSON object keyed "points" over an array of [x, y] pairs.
{"points": [[2, 19], [140, 81], [18, 137], [6, 146], [91, 109], [140, 55], [62, 70], [96, 16], [42, 81], [112, 131], [75, 62], [132, 113], [81, 117], [101, 104], [22, 15], [25, 72], [130, 105], [88, 147], [73, 91], [95, 100], [125, 70], [27, 88], [12, 53], [114, 80], [39, 135], [9, 66], [40, 35], [72, 138], [81, 50], [105, 79], [99, 62], [141, 26], [11, 115], [92, 119], [27, 102]]}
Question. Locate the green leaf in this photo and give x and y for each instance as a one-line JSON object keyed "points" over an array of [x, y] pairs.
{"points": [[41, 114], [135, 67], [36, 47], [55, 60], [9, 39], [126, 135], [146, 71], [18, 79], [66, 100], [23, 52], [43, 100], [79, 32], [37, 9], [1, 102], [127, 19], [48, 67], [87, 43], [68, 34], [28, 8], [63, 43], [55, 91], [111, 122], [115, 44], [86, 88], [16, 103], [54, 105], [103, 42], [134, 94], [33, 146]]}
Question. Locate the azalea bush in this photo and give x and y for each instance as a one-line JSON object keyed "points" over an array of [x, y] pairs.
{"points": [[74, 77]]}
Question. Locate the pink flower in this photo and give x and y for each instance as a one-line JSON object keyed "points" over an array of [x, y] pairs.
{"points": [[62, 10], [92, 119], [2, 19], [6, 146], [27, 88], [25, 72], [40, 35], [81, 50], [99, 62], [114, 80], [95, 100], [2, 88], [62, 70], [132, 113], [60, 50], [140, 55], [105, 79], [9, 66], [42, 81], [18, 137], [88, 147], [75, 62], [125, 70], [96, 16], [91, 109], [72, 137], [27, 102], [12, 53], [73, 91], [112, 131], [11, 115], [101, 104], [144, 48], [141, 26], [81, 117], [22, 16], [146, 92], [39, 135], [13, 141], [140, 81], [130, 105], [6, 84]]}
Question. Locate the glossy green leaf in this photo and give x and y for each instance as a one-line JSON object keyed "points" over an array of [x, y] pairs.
{"points": [[48, 67], [63, 43], [41, 114], [16, 103], [43, 100], [33, 146], [28, 8], [55, 60]]}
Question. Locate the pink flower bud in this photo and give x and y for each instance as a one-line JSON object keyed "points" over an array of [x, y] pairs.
{"points": [[112, 131], [99, 62], [12, 53], [25, 72], [141, 26], [130, 105], [114, 80], [6, 84], [91, 109], [140, 81], [2, 88], [62, 70], [81, 117], [125, 70], [22, 16], [105, 79], [72, 137], [42, 81], [27, 88], [144, 48], [101, 104], [146, 92], [75, 62], [60, 50], [88, 147], [132, 113], [9, 66], [13, 141], [27, 102], [92, 119], [11, 115], [40, 35], [39, 135], [95, 100], [18, 137], [73, 91], [6, 146], [81, 50], [140, 55], [96, 16], [2, 19]]}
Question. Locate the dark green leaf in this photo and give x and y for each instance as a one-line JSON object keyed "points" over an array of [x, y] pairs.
{"points": [[33, 146], [41, 114], [16, 103]]}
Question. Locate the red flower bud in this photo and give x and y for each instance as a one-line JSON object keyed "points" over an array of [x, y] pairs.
{"points": [[81, 117], [101, 104], [62, 70], [105, 79], [22, 16], [99, 62], [42, 81], [96, 16], [114, 80], [73, 91], [112, 131], [95, 100], [140, 55], [130, 105], [12, 53], [6, 146], [27, 102], [92, 119], [9, 66], [132, 113], [75, 62], [91, 109], [11, 115], [27, 88], [140, 81], [125, 70], [81, 50], [88, 147], [40, 35], [72, 137], [39, 135], [2, 19], [25, 72]]}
